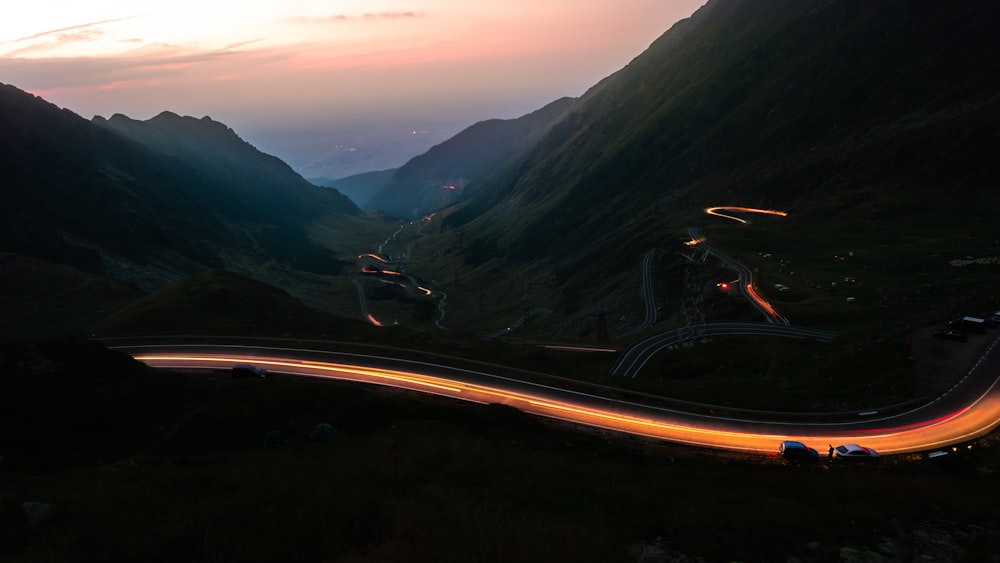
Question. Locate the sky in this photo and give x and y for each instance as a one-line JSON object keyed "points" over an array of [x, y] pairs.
{"points": [[325, 81]]}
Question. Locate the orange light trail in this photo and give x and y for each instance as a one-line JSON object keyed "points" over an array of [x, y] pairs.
{"points": [[373, 256], [728, 434], [716, 211], [752, 293], [373, 320]]}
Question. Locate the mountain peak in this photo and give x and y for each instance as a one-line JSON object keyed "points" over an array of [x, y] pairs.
{"points": [[166, 114]]}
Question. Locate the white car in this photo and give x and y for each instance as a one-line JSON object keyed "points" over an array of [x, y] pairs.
{"points": [[854, 452]]}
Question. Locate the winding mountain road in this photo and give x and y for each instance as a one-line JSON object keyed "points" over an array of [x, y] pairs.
{"points": [[968, 410], [631, 362], [746, 287]]}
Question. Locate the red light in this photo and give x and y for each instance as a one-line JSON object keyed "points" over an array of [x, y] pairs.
{"points": [[724, 285]]}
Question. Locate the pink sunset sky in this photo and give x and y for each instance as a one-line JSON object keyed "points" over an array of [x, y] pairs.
{"points": [[260, 65]]}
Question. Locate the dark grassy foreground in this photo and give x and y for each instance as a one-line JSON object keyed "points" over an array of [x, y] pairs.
{"points": [[104, 460]]}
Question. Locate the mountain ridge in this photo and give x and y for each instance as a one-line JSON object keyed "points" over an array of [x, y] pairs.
{"points": [[151, 202], [700, 102], [437, 178]]}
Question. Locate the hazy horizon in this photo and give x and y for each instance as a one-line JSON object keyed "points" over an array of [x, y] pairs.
{"points": [[308, 81]]}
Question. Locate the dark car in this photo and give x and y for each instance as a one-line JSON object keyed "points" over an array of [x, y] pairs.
{"points": [[956, 335], [790, 450], [854, 452], [968, 325], [248, 370]]}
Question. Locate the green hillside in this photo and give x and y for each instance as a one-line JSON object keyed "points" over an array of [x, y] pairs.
{"points": [[151, 202], [222, 302], [42, 300], [773, 104], [875, 119]]}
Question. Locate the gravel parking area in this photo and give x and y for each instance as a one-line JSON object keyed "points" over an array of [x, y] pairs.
{"points": [[941, 363]]}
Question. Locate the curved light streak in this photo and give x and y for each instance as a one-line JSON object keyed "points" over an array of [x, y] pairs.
{"points": [[971, 421], [717, 211], [752, 294]]}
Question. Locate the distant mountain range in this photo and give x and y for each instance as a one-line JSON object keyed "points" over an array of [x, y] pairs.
{"points": [[152, 201], [859, 113], [362, 187], [439, 177]]}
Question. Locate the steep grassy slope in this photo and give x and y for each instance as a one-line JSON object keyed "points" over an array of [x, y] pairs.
{"points": [[842, 113], [238, 183], [150, 202], [41, 299], [771, 103], [234, 176], [72, 190], [221, 302]]}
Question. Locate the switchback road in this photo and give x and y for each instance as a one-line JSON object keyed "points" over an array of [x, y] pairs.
{"points": [[631, 362]]}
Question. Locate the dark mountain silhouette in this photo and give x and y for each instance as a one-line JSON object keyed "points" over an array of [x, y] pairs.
{"points": [[439, 177], [831, 102], [149, 202], [244, 181], [361, 187]]}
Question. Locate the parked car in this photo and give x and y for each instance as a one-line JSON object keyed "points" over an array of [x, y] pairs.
{"points": [[248, 370], [854, 452], [951, 334], [969, 324], [790, 450]]}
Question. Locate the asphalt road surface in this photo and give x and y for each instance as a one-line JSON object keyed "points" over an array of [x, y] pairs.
{"points": [[968, 410]]}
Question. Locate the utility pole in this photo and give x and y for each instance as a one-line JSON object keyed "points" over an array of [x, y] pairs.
{"points": [[695, 278]]}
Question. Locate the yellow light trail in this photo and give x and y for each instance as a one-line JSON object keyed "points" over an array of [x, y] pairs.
{"points": [[735, 435], [735, 209]]}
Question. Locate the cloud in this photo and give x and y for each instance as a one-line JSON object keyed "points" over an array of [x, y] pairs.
{"points": [[393, 15], [338, 18], [151, 62], [63, 30], [55, 38]]}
